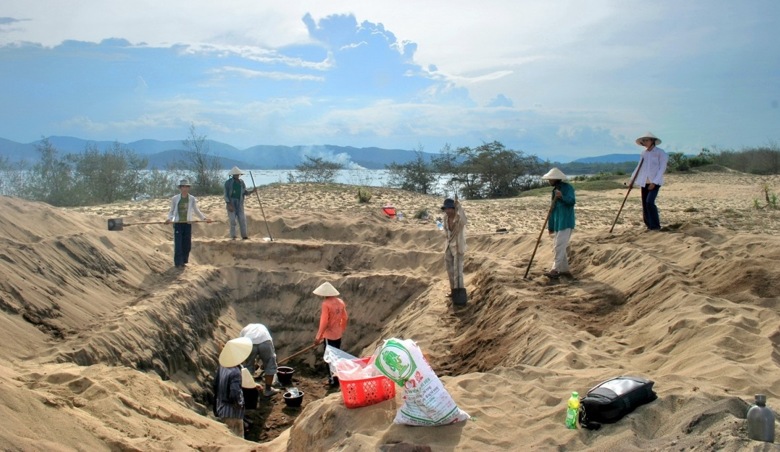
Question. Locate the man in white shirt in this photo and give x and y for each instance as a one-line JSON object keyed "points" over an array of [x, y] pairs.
{"points": [[649, 175], [263, 348]]}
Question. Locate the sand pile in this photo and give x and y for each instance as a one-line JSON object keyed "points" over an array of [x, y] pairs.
{"points": [[105, 346]]}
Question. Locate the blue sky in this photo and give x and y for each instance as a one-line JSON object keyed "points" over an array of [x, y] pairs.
{"points": [[559, 79]]}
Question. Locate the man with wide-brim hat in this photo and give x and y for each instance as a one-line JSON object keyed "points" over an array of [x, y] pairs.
{"points": [[235, 192], [184, 208], [455, 242], [228, 396], [649, 175], [333, 320], [561, 222]]}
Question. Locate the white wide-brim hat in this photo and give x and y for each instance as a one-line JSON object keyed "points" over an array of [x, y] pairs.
{"points": [[648, 135], [326, 290], [235, 171], [235, 352], [554, 174]]}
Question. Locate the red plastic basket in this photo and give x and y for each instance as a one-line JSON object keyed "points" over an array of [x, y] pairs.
{"points": [[368, 391]]}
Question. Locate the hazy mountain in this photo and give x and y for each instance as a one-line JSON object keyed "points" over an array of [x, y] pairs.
{"points": [[609, 158], [161, 154]]}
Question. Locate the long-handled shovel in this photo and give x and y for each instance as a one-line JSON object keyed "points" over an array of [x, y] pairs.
{"points": [[633, 179], [118, 224], [299, 352], [544, 226], [270, 237]]}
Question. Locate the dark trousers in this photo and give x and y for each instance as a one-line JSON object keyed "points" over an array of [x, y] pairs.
{"points": [[335, 343], [182, 242], [649, 209]]}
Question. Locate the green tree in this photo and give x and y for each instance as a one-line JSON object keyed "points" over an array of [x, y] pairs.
{"points": [[316, 169], [492, 171], [678, 162], [12, 180], [204, 169], [51, 177], [418, 175], [106, 177]]}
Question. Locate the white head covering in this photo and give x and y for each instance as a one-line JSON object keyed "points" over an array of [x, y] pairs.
{"points": [[326, 290], [648, 135], [236, 172], [554, 174], [247, 381], [235, 352]]}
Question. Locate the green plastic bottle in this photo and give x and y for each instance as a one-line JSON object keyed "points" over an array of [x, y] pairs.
{"points": [[573, 410]]}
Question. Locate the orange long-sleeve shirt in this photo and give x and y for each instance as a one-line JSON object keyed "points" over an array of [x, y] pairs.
{"points": [[333, 320]]}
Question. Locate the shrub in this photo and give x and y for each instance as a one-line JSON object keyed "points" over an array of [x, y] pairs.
{"points": [[363, 195]]}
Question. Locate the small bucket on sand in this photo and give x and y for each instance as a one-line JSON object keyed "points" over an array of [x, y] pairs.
{"points": [[293, 398], [285, 375]]}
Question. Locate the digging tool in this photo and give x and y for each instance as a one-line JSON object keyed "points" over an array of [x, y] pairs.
{"points": [[296, 354], [270, 237], [118, 224], [544, 226], [633, 179]]}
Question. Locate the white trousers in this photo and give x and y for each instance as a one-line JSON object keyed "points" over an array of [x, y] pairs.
{"points": [[560, 250], [454, 264]]}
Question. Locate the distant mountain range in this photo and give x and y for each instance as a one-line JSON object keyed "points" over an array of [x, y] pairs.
{"points": [[161, 154]]}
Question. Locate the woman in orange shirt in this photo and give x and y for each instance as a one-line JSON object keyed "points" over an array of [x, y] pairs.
{"points": [[333, 320]]}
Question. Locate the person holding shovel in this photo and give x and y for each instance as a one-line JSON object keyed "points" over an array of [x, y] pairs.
{"points": [[235, 192], [649, 175], [333, 321], [263, 348], [455, 244], [561, 222], [184, 207]]}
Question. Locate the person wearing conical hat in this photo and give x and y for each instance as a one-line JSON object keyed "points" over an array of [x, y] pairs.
{"points": [[561, 222], [235, 192], [184, 208], [649, 175], [228, 396], [333, 320]]}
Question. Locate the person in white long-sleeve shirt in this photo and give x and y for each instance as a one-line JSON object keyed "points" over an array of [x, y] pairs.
{"points": [[184, 207], [649, 175]]}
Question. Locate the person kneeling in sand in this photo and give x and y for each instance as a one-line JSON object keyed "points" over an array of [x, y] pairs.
{"points": [[561, 223], [263, 348]]}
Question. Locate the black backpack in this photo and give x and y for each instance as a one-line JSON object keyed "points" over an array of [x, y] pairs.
{"points": [[610, 400]]}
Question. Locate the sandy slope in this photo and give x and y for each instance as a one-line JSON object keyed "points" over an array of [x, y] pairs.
{"points": [[105, 347]]}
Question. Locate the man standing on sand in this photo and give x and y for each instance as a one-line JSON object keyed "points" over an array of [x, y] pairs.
{"points": [[561, 223], [455, 245], [333, 321], [183, 208], [649, 174], [235, 192], [263, 348]]}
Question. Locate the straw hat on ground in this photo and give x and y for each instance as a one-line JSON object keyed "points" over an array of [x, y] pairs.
{"points": [[236, 172], [326, 290], [554, 174], [235, 352], [648, 135]]}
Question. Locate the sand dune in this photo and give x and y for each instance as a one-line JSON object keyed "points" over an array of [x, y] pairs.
{"points": [[106, 347]]}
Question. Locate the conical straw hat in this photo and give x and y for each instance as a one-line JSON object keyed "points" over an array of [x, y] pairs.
{"points": [[648, 135], [326, 290], [235, 352], [554, 174]]}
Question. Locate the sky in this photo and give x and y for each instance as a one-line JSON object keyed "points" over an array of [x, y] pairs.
{"points": [[554, 78]]}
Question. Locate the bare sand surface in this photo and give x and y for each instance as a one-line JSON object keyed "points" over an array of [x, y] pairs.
{"points": [[105, 346]]}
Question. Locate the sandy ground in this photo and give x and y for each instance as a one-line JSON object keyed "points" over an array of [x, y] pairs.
{"points": [[105, 346]]}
